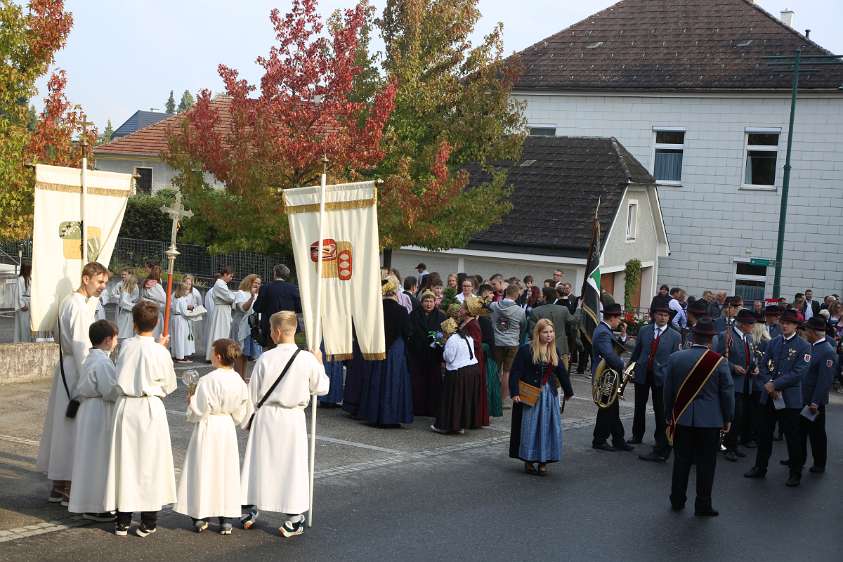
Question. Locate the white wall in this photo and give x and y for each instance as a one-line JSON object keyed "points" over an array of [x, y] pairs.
{"points": [[710, 220], [162, 174]]}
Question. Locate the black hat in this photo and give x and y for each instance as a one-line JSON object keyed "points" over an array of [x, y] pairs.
{"points": [[661, 308], [704, 327], [745, 316], [816, 323], [699, 308], [790, 316], [421, 266], [613, 309], [772, 310]]}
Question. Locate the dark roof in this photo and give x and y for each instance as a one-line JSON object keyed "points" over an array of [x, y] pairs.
{"points": [[138, 121], [556, 185], [671, 45]]}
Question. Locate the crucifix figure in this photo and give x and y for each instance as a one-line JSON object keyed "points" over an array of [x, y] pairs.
{"points": [[176, 212]]}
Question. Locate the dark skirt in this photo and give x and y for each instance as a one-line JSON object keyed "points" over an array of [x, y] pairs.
{"points": [[515, 431], [482, 417], [427, 386], [356, 377], [459, 405], [335, 394], [387, 396]]}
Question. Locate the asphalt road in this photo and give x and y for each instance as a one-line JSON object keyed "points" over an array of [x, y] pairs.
{"points": [[408, 494]]}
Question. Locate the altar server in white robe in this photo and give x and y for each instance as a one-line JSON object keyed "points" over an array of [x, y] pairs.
{"points": [[275, 474], [96, 390], [153, 291], [182, 345], [76, 314], [210, 479], [140, 470], [219, 326], [128, 298], [197, 323], [23, 331]]}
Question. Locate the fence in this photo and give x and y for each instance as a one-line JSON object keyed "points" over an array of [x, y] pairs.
{"points": [[131, 252]]}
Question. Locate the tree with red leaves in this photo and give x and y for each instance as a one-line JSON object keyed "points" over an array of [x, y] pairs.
{"points": [[262, 138]]}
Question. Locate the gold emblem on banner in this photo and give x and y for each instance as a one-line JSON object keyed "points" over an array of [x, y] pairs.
{"points": [[70, 233], [336, 258]]}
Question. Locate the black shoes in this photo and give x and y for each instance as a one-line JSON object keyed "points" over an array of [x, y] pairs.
{"points": [[731, 456], [706, 512], [750, 444], [740, 454], [634, 441], [817, 469], [756, 472], [653, 457], [624, 447], [603, 447], [784, 462], [794, 480]]}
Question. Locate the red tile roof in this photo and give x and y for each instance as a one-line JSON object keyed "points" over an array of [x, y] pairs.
{"points": [[671, 45]]}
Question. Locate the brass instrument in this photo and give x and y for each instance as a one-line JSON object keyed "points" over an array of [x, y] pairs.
{"points": [[608, 385]]}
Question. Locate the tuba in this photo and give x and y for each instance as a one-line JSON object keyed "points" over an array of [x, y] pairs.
{"points": [[608, 385]]}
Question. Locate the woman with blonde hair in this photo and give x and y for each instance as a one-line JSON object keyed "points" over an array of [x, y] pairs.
{"points": [[537, 372], [244, 299]]}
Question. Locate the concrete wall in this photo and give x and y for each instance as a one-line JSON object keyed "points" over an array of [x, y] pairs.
{"points": [[20, 362], [711, 220]]}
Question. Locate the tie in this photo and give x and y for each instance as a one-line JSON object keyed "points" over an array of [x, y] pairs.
{"points": [[653, 347], [746, 353]]}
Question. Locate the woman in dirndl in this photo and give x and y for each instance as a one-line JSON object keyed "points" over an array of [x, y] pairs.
{"points": [[458, 405], [536, 435]]}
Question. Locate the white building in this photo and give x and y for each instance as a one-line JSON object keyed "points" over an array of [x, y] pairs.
{"points": [[685, 87]]}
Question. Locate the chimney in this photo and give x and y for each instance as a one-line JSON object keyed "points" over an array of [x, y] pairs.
{"points": [[787, 17]]}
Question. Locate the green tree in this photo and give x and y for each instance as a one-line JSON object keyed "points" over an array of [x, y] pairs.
{"points": [[453, 108], [28, 42], [107, 133], [170, 106], [186, 101]]}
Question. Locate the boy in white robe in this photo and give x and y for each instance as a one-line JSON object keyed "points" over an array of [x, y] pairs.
{"points": [[140, 469], [96, 390], [275, 472], [219, 319], [210, 479], [76, 314]]}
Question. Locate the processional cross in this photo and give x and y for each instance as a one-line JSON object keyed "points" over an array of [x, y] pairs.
{"points": [[176, 212]]}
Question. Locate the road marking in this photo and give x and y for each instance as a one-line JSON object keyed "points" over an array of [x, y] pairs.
{"points": [[18, 440]]}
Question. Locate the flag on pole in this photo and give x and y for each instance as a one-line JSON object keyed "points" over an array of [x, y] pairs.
{"points": [[350, 281], [57, 232], [591, 283]]}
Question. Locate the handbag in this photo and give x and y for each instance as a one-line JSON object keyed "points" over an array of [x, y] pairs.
{"points": [[528, 393], [72, 404], [271, 388]]}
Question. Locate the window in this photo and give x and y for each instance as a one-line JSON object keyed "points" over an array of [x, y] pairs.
{"points": [[762, 147], [143, 181], [750, 281], [632, 220], [667, 161], [542, 131]]}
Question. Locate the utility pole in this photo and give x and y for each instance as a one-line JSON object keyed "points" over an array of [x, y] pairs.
{"points": [[794, 63]]}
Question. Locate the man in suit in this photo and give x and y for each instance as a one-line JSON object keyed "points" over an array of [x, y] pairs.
{"points": [[653, 347], [274, 297], [565, 297], [727, 317], [811, 307], [603, 346], [815, 387], [771, 320], [700, 420], [735, 344], [411, 287], [784, 366], [697, 310], [563, 323]]}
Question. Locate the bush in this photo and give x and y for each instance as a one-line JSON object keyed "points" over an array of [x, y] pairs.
{"points": [[144, 220]]}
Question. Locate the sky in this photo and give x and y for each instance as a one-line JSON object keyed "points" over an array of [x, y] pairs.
{"points": [[125, 55]]}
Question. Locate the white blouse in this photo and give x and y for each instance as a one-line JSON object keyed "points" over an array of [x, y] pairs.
{"points": [[459, 352]]}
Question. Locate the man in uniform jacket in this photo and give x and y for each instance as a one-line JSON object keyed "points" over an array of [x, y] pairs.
{"points": [[771, 320], [602, 343], [815, 387], [275, 297], [697, 437], [784, 366], [696, 311], [653, 347], [735, 344], [563, 322]]}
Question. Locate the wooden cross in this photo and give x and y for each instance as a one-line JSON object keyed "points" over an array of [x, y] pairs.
{"points": [[176, 212]]}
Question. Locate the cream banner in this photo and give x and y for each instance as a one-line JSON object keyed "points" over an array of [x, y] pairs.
{"points": [[57, 234], [350, 284]]}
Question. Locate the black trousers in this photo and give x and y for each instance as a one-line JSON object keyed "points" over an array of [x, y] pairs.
{"points": [[694, 446], [642, 392], [815, 432], [148, 518], [766, 416], [608, 423], [741, 429], [584, 355]]}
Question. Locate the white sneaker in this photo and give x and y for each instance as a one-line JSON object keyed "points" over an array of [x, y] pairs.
{"points": [[143, 531], [292, 528]]}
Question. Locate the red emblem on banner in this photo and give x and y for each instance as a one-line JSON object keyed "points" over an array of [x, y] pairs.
{"points": [[336, 258]]}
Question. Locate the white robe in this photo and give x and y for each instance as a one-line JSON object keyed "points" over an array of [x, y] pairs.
{"points": [[157, 295], [125, 323], [181, 328], [209, 485], [22, 327], [55, 452], [220, 323], [240, 318], [274, 476], [97, 390], [141, 476], [199, 323]]}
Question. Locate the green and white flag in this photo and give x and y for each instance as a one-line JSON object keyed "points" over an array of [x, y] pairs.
{"points": [[591, 284]]}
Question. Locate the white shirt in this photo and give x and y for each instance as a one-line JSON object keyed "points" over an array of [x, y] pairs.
{"points": [[680, 320], [456, 353], [658, 330], [809, 312]]}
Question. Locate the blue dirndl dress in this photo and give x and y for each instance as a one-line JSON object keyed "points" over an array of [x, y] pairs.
{"points": [[541, 428]]}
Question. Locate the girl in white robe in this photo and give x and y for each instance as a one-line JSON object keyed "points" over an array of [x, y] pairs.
{"points": [[219, 326], [96, 390], [128, 298], [275, 471], [153, 291], [182, 340], [141, 476], [23, 331], [197, 323], [210, 479]]}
